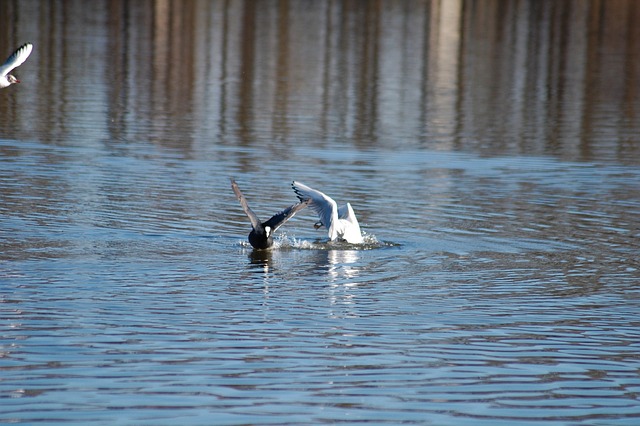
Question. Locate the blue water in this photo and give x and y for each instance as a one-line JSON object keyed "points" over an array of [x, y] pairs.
{"points": [[499, 280]]}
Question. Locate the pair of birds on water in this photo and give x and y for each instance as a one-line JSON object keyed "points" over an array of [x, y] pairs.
{"points": [[341, 223], [16, 59]]}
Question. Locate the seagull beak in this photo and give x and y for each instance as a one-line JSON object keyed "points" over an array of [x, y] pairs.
{"points": [[17, 81]]}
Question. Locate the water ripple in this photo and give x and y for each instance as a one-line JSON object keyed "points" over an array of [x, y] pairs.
{"points": [[495, 287]]}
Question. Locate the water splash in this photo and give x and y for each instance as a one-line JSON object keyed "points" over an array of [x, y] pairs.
{"points": [[284, 242]]}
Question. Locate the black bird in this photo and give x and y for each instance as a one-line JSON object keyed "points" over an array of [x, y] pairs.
{"points": [[260, 236]]}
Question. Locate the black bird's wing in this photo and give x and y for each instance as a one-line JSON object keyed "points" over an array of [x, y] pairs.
{"points": [[279, 219], [255, 222]]}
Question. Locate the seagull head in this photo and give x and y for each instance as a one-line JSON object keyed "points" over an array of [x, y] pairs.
{"points": [[12, 79]]}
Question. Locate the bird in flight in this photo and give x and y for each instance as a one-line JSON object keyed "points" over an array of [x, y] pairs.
{"points": [[15, 60]]}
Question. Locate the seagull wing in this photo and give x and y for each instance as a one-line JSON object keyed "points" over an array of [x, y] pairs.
{"points": [[343, 211], [346, 212], [16, 59], [279, 219], [255, 222], [351, 228], [324, 206]]}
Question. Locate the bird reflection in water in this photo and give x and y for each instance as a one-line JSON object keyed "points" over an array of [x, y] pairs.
{"points": [[341, 294], [336, 264], [261, 258], [341, 264]]}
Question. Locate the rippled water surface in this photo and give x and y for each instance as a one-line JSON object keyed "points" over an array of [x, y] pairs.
{"points": [[490, 151]]}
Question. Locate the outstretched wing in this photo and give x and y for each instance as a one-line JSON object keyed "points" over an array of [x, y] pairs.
{"points": [[279, 219], [255, 222], [323, 205], [16, 59]]}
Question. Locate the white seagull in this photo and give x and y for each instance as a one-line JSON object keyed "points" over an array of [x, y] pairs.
{"points": [[15, 60], [340, 222]]}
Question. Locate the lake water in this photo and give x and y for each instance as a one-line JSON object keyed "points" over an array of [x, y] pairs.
{"points": [[491, 151]]}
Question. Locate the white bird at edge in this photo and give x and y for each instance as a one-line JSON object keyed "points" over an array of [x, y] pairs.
{"points": [[16, 59], [340, 222]]}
